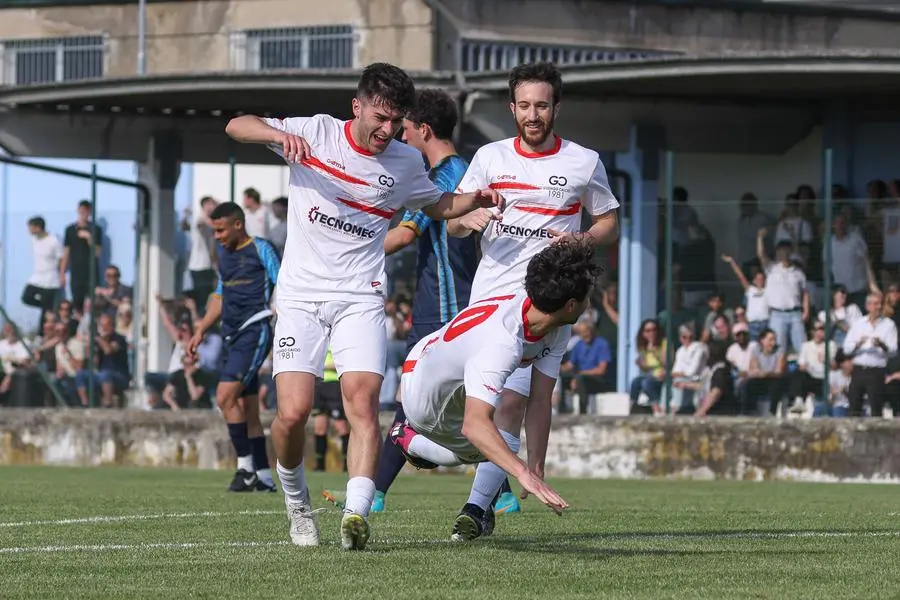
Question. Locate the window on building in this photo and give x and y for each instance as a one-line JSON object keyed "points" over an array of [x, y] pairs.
{"points": [[324, 47], [493, 56], [50, 60]]}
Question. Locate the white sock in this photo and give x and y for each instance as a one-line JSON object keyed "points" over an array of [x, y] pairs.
{"points": [[265, 475], [422, 447], [360, 491], [293, 482], [246, 463], [489, 477]]}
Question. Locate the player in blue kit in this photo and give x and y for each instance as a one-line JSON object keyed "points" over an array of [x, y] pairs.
{"points": [[248, 270], [446, 265]]}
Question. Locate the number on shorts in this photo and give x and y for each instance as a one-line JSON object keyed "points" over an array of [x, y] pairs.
{"points": [[469, 318]]}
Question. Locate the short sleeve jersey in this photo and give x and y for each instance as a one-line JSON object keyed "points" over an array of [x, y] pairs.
{"points": [[543, 191], [474, 354], [341, 201]]}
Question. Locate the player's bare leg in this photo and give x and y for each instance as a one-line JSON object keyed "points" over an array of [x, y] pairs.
{"points": [[258, 449], [228, 397], [295, 398], [360, 391]]}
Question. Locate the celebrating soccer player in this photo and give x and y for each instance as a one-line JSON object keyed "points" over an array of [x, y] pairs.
{"points": [[446, 265], [453, 380], [347, 180], [248, 270], [547, 182]]}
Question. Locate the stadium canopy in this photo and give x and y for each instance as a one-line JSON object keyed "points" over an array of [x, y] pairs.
{"points": [[114, 118]]}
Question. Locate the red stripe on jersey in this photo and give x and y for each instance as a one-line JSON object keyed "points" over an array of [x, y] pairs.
{"points": [[318, 164], [349, 135], [528, 154], [512, 185], [495, 299], [553, 212], [408, 366], [528, 336], [384, 214]]}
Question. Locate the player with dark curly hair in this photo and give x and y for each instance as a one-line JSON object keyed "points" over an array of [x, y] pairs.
{"points": [[452, 380], [348, 179]]}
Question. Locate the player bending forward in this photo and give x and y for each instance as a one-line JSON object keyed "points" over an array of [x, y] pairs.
{"points": [[348, 178], [548, 182], [452, 381], [248, 270]]}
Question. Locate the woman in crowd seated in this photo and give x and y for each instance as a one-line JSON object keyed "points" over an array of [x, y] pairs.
{"points": [[646, 389], [765, 381], [808, 381], [690, 361], [717, 392], [839, 384]]}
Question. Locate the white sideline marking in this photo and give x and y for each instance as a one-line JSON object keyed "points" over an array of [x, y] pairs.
{"points": [[610, 537], [126, 518]]}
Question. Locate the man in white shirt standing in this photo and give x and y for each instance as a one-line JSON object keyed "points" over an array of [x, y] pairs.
{"points": [[256, 213], [849, 259], [43, 287], [870, 341], [785, 294], [549, 182], [348, 179], [202, 260]]}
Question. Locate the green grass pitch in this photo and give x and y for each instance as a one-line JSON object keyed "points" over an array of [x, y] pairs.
{"points": [[146, 533]]}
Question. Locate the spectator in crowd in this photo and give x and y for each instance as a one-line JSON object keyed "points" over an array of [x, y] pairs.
{"points": [[680, 314], [792, 228], [890, 236], [256, 213], [739, 353], [750, 220], [716, 304], [202, 259], [786, 294], [765, 381], [873, 224], [278, 231], [77, 257], [696, 260], [608, 319], [14, 357], [684, 216], [66, 315], [188, 387], [44, 285], [870, 341], [717, 395], [68, 361], [721, 330], [110, 364], [757, 309], [808, 382], [110, 296], [588, 363], [646, 389], [849, 258], [843, 315], [328, 408], [125, 322], [839, 385], [690, 360], [178, 325]]}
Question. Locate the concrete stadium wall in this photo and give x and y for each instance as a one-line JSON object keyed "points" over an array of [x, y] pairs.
{"points": [[738, 449]]}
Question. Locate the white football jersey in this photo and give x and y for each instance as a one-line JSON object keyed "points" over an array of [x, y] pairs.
{"points": [[340, 206], [473, 355], [543, 191]]}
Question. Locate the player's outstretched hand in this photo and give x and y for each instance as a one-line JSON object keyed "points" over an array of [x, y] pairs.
{"points": [[294, 148], [488, 198], [478, 219], [535, 486]]}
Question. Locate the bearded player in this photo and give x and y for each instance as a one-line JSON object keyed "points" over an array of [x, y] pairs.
{"points": [[547, 183], [452, 380]]}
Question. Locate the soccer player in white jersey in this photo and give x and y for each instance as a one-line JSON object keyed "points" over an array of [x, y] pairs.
{"points": [[453, 380], [547, 182], [347, 179]]}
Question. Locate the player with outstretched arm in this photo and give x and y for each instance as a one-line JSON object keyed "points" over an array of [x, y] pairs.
{"points": [[452, 381], [347, 180]]}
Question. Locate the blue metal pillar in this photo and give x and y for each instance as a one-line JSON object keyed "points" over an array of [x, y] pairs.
{"points": [[640, 236]]}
